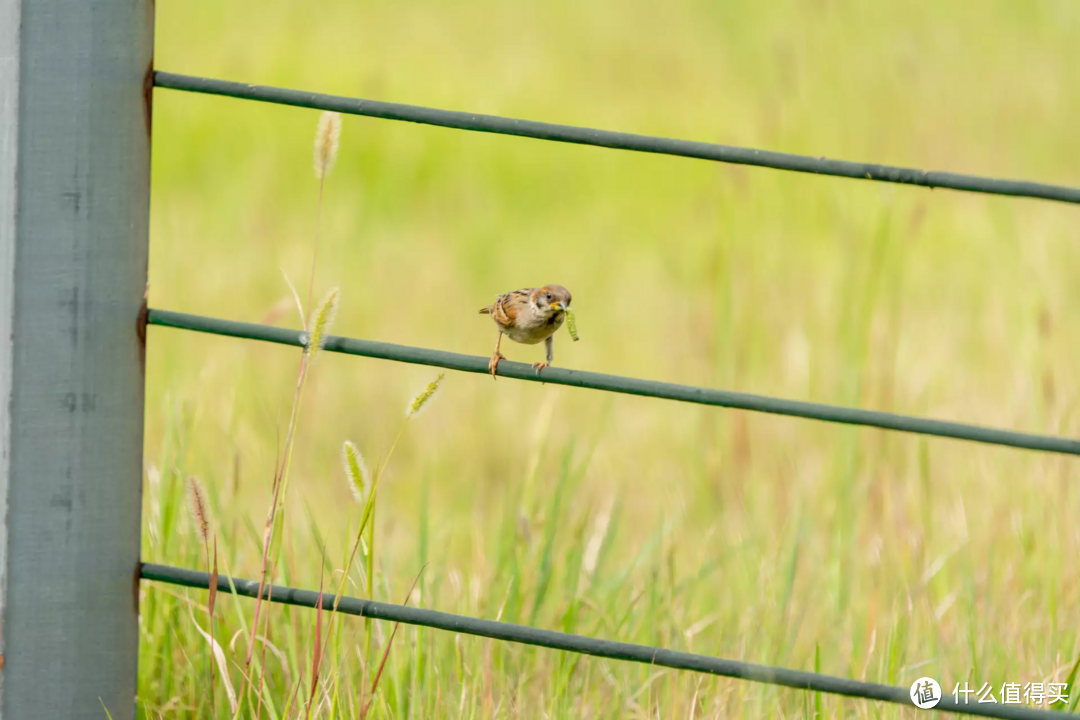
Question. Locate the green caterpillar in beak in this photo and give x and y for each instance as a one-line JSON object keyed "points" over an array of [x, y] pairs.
{"points": [[571, 323]]}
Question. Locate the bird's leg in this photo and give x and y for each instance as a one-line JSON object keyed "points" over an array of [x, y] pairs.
{"points": [[496, 357], [549, 344]]}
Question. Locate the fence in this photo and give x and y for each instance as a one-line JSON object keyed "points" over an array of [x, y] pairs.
{"points": [[76, 179]]}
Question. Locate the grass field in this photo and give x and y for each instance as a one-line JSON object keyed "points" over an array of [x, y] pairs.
{"points": [[861, 553]]}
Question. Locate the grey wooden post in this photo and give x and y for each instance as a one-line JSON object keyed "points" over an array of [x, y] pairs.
{"points": [[75, 81]]}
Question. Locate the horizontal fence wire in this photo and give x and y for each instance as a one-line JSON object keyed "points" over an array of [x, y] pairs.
{"points": [[630, 652], [625, 385], [617, 140]]}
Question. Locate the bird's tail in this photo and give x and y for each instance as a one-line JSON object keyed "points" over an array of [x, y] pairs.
{"points": [[485, 310]]}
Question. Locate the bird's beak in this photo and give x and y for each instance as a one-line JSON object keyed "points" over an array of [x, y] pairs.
{"points": [[558, 306]]}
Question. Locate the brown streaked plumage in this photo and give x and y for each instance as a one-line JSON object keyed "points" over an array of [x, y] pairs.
{"points": [[528, 316]]}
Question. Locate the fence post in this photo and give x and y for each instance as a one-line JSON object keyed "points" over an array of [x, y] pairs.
{"points": [[75, 86]]}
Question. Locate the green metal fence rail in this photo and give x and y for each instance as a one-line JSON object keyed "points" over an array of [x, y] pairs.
{"points": [[526, 635], [617, 140], [611, 383], [630, 386]]}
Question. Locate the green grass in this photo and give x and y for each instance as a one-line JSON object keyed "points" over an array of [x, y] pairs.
{"points": [[856, 552]]}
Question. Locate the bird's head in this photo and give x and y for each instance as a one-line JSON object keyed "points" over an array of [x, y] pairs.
{"points": [[551, 299]]}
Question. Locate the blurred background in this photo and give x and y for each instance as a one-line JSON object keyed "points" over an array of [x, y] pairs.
{"points": [[861, 553]]}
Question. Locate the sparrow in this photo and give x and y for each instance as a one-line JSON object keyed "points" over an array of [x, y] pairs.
{"points": [[528, 316]]}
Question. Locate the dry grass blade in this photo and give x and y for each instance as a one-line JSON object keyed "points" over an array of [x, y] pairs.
{"points": [[386, 652], [223, 667], [211, 601], [262, 655], [267, 537], [316, 655], [278, 653], [296, 297], [293, 694]]}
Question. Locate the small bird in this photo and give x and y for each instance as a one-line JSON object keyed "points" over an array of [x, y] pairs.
{"points": [[528, 316]]}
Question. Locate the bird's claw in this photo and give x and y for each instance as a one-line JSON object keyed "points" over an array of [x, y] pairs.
{"points": [[493, 363], [538, 366]]}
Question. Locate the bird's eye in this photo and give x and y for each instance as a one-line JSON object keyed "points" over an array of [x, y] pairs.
{"points": [[549, 296]]}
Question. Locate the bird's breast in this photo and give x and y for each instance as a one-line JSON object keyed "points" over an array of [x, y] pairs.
{"points": [[530, 335]]}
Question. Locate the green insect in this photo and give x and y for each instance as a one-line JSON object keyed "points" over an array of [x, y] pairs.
{"points": [[571, 324]]}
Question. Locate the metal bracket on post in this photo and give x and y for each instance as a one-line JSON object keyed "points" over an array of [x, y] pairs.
{"points": [[75, 81]]}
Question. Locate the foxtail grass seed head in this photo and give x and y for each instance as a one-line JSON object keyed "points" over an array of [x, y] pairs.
{"points": [[199, 512], [425, 396], [571, 324], [355, 471], [327, 136], [321, 323]]}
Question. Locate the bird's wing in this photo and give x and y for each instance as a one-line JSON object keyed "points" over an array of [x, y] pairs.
{"points": [[505, 309]]}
